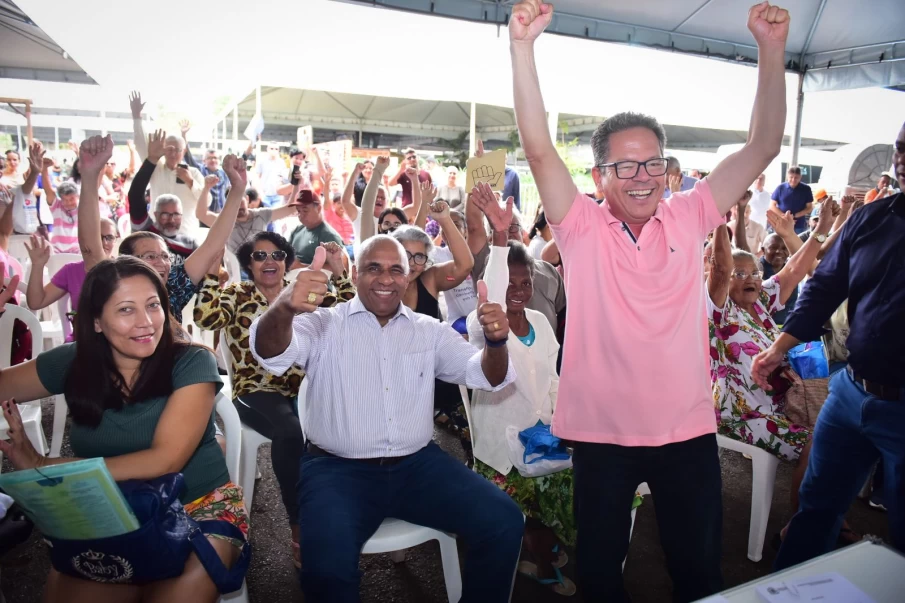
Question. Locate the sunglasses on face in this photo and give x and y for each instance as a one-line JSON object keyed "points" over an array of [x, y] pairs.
{"points": [[260, 256], [390, 226]]}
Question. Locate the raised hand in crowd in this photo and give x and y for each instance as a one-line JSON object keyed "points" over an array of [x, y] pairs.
{"points": [[334, 259], [36, 156], [236, 172], [307, 292], [439, 211], [529, 20], [782, 223], [21, 453], [156, 145], [184, 126], [483, 197], [135, 104], [210, 181], [491, 316], [675, 182], [38, 251], [769, 25], [94, 153]]}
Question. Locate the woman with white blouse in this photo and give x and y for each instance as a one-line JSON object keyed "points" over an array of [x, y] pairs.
{"points": [[546, 500]]}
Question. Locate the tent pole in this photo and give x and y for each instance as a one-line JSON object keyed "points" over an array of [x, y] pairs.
{"points": [[553, 124], [796, 137], [472, 133], [236, 122], [360, 132], [56, 138]]}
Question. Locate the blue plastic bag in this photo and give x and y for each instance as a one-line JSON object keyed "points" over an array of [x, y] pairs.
{"points": [[809, 360], [542, 445]]}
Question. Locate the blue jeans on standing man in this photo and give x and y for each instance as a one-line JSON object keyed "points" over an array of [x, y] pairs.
{"points": [[342, 502], [854, 429]]}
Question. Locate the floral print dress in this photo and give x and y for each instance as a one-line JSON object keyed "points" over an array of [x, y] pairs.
{"points": [[744, 410]]}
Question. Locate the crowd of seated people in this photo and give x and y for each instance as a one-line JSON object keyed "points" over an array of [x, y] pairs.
{"points": [[402, 292]]}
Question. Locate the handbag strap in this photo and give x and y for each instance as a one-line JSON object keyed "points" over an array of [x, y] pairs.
{"points": [[226, 579]]}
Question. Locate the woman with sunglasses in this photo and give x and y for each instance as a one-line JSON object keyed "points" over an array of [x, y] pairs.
{"points": [[266, 402], [68, 280], [740, 309]]}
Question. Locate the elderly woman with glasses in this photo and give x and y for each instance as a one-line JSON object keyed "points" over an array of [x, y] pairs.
{"points": [[266, 402], [740, 309]]}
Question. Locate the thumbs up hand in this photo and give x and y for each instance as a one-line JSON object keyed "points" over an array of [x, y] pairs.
{"points": [[307, 292], [491, 316]]}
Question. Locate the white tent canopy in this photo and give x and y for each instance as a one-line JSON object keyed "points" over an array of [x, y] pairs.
{"points": [[838, 44], [441, 60]]}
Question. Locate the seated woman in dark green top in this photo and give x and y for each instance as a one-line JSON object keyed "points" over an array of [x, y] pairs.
{"points": [[142, 398]]}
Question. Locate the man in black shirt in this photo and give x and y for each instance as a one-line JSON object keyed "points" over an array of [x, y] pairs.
{"points": [[863, 419]]}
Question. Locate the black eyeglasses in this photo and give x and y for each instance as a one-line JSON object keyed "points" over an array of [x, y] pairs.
{"points": [[259, 256], [108, 238], [626, 170], [419, 259]]}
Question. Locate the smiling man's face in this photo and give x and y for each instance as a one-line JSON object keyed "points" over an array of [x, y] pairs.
{"points": [[632, 200]]}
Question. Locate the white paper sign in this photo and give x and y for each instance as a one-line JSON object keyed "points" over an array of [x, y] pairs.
{"points": [[825, 588]]}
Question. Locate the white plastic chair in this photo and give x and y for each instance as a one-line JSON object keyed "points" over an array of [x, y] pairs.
{"points": [[251, 440], [60, 409], [31, 413], [232, 267], [763, 479], [232, 431], [124, 226], [199, 335]]}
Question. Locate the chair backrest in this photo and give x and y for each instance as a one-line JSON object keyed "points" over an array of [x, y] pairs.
{"points": [[232, 430], [225, 355], [58, 260], [10, 315], [232, 267], [17, 248], [124, 226]]}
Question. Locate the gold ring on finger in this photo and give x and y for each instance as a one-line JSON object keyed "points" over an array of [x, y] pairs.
{"points": [[496, 326], [312, 297]]}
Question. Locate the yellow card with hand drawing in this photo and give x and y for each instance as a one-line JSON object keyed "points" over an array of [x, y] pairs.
{"points": [[488, 168]]}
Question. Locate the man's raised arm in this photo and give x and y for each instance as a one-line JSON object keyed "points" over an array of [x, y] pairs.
{"points": [[136, 106], [729, 179], [554, 183]]}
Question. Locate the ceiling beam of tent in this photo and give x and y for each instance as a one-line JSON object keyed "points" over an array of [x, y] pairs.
{"points": [[343, 105], [353, 122], [582, 26], [46, 75], [807, 42], [692, 15], [364, 113], [431, 112], [298, 105]]}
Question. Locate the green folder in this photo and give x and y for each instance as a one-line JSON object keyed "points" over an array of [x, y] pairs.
{"points": [[72, 501]]}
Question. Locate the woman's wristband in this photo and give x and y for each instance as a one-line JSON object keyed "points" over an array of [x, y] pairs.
{"points": [[495, 344]]}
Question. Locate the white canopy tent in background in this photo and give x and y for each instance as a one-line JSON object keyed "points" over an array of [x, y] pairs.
{"points": [[206, 72]]}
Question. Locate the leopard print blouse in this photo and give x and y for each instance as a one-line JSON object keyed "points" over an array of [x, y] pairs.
{"points": [[233, 309]]}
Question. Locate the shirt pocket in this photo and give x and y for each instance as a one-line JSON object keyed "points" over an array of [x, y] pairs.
{"points": [[417, 375]]}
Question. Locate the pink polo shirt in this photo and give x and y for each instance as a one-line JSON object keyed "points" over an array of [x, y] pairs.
{"points": [[635, 366]]}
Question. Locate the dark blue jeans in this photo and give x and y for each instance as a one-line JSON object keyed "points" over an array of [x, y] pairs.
{"points": [[686, 487], [342, 502], [853, 430]]}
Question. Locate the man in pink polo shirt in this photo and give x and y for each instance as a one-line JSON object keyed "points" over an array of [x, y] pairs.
{"points": [[634, 392]]}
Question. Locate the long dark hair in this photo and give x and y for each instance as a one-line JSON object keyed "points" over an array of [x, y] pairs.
{"points": [[394, 211], [94, 383], [539, 224]]}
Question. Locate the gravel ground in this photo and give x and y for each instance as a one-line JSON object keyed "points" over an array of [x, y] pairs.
{"points": [[419, 579]]}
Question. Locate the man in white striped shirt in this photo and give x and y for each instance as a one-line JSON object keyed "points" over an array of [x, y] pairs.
{"points": [[370, 367]]}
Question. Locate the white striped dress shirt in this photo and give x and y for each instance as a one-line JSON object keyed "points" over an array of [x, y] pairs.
{"points": [[371, 388]]}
